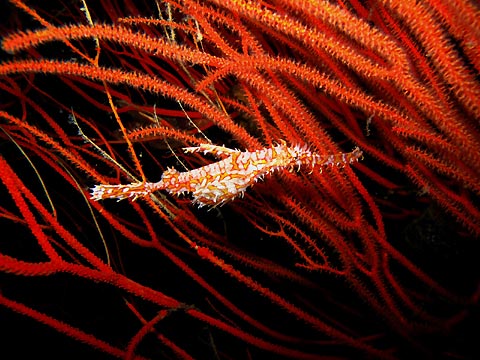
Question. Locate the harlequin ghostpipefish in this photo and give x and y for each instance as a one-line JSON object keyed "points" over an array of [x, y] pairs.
{"points": [[228, 178]]}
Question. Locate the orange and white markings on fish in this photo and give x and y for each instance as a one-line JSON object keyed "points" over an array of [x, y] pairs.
{"points": [[228, 178]]}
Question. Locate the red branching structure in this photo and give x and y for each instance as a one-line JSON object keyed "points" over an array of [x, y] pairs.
{"points": [[377, 259]]}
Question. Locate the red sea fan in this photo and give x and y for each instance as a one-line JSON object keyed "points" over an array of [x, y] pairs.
{"points": [[374, 260]]}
